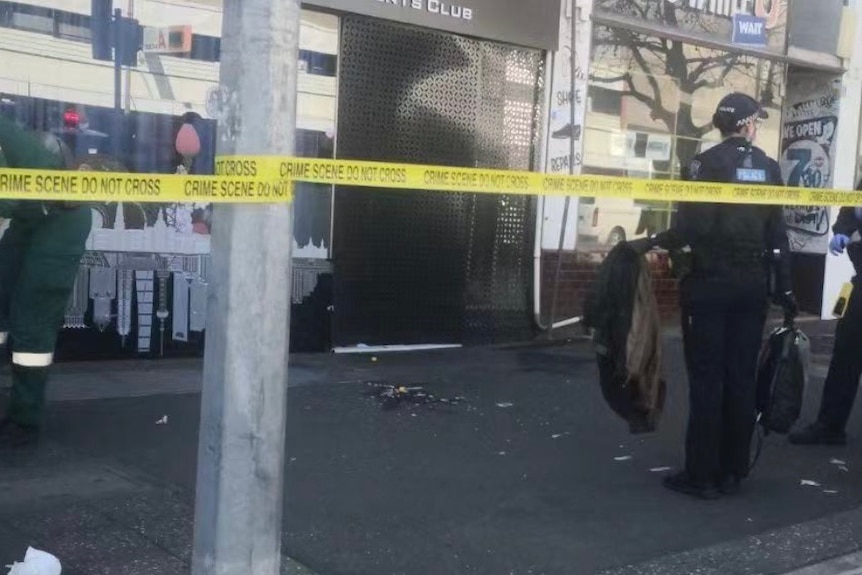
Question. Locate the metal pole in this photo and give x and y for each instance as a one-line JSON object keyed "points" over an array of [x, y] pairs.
{"points": [[573, 101], [118, 83], [556, 294], [130, 12], [238, 515], [118, 66], [572, 158]]}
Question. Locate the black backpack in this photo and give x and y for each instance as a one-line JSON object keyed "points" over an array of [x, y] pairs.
{"points": [[782, 375]]}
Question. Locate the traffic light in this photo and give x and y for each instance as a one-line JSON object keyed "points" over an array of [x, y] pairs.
{"points": [[107, 32], [101, 28], [131, 39]]}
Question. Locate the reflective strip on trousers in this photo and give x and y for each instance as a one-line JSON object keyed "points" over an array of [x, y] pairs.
{"points": [[3, 337], [32, 359]]}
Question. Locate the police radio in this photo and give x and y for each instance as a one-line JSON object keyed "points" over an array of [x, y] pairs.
{"points": [[843, 300], [747, 173]]}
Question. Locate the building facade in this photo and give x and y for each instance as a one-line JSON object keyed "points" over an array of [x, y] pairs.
{"points": [[656, 72], [431, 82], [614, 87]]}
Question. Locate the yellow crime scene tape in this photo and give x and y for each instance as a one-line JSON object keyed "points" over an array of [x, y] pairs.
{"points": [[268, 179]]}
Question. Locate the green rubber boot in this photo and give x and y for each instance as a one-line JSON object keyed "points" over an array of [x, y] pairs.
{"points": [[27, 400]]}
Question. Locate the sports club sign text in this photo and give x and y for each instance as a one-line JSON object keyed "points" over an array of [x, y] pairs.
{"points": [[439, 7]]}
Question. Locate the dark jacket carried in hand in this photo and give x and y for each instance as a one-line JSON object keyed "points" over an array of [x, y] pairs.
{"points": [[623, 313], [731, 240]]}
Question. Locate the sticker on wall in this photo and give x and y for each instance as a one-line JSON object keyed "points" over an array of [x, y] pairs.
{"points": [[808, 133]]}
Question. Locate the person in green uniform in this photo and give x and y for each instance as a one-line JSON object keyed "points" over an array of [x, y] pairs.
{"points": [[39, 258]]}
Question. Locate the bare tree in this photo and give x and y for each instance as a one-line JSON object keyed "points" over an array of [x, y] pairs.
{"points": [[641, 57]]}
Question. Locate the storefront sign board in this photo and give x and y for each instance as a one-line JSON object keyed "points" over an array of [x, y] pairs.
{"points": [[731, 21], [530, 23], [749, 31]]}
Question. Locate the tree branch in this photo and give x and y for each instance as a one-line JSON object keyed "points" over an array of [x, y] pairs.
{"points": [[611, 80], [632, 44], [641, 61], [707, 64], [654, 104]]}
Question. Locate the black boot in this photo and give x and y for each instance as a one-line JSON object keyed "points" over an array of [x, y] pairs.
{"points": [[27, 399], [730, 485], [682, 483], [818, 434]]}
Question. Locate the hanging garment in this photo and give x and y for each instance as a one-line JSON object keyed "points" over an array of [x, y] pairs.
{"points": [[622, 312]]}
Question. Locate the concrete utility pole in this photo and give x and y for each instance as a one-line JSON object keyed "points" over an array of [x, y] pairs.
{"points": [[238, 518], [573, 154]]}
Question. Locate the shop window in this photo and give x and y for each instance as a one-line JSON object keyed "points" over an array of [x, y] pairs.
{"points": [[318, 64], [66, 25], [205, 48], [74, 98], [651, 102], [33, 21], [605, 101], [77, 27], [7, 12]]}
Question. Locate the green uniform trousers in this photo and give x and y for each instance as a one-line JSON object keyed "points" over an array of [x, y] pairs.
{"points": [[39, 258]]}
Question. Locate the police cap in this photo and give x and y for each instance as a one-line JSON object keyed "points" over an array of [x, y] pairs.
{"points": [[735, 110]]}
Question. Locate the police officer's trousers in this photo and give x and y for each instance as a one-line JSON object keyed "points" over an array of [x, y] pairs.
{"points": [[845, 368], [723, 321], [39, 258]]}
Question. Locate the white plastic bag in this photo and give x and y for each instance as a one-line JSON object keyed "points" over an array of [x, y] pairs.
{"points": [[37, 563]]}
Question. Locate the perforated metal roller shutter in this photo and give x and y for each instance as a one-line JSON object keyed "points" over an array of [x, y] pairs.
{"points": [[429, 267]]}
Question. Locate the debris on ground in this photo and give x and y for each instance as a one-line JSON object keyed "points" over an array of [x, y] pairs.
{"points": [[36, 563], [623, 458], [505, 404], [391, 396], [559, 435], [838, 462], [163, 420], [808, 483], [829, 491], [660, 469]]}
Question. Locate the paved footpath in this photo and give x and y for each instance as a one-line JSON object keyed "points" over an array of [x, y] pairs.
{"points": [[846, 565], [532, 475]]}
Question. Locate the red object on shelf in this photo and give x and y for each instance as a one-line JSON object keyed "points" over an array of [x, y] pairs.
{"points": [[71, 118], [188, 143]]}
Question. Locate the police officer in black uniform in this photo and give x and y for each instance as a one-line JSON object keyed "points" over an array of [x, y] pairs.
{"points": [[845, 368], [725, 298]]}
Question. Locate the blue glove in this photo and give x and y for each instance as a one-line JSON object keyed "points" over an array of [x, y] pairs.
{"points": [[838, 243]]}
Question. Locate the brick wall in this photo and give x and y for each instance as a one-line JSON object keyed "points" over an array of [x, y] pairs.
{"points": [[578, 272]]}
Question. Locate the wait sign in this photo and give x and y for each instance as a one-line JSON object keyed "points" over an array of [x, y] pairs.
{"points": [[170, 40], [749, 30]]}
